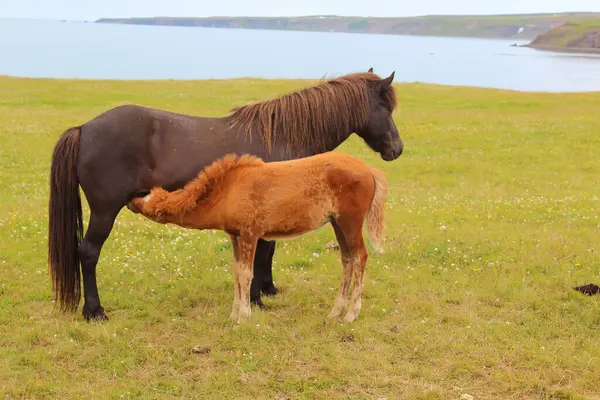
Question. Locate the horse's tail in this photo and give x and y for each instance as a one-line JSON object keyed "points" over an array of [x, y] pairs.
{"points": [[375, 215], [66, 221]]}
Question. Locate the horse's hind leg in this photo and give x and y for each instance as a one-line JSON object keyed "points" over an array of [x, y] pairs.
{"points": [[342, 299], [354, 257], [247, 248], [358, 255], [89, 249], [236, 281]]}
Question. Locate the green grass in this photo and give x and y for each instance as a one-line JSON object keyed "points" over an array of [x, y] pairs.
{"points": [[492, 219]]}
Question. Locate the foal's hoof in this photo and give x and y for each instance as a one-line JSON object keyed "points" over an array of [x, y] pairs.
{"points": [[350, 317], [244, 315], [96, 314], [269, 289]]}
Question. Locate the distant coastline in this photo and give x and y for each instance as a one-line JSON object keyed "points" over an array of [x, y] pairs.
{"points": [[581, 36], [561, 49], [523, 26]]}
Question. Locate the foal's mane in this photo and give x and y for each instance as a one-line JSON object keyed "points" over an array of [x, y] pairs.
{"points": [[184, 200], [304, 118]]}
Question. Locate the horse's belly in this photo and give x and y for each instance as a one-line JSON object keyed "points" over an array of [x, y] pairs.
{"points": [[293, 230]]}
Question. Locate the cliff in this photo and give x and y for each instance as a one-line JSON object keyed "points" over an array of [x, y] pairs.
{"points": [[574, 36]]}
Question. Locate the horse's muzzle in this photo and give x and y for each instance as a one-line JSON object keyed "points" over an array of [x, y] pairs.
{"points": [[132, 207], [392, 154]]}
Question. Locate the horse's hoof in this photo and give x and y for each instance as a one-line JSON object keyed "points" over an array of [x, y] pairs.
{"points": [[350, 317], [244, 315], [269, 290], [259, 303], [96, 314]]}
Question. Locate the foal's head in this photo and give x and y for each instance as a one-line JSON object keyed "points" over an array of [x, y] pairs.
{"points": [[380, 131]]}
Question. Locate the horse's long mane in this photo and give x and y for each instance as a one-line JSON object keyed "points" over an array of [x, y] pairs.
{"points": [[304, 118], [184, 200]]}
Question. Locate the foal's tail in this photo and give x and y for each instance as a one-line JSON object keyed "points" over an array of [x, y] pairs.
{"points": [[375, 215], [66, 221]]}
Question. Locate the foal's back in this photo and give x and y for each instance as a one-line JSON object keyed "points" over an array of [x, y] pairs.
{"points": [[288, 198]]}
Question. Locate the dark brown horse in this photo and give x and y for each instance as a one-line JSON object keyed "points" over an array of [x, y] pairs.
{"points": [[126, 151]]}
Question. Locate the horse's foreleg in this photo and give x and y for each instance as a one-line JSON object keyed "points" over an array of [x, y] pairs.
{"points": [[247, 248], [341, 300], [99, 228], [263, 272], [268, 287]]}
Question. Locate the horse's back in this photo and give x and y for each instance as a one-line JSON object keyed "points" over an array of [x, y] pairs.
{"points": [[288, 198], [316, 177], [351, 180], [134, 111], [131, 148], [334, 168], [342, 167]]}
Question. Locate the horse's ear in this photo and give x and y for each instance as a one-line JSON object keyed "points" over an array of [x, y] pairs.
{"points": [[370, 70], [385, 84]]}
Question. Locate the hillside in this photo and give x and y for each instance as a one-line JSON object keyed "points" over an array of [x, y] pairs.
{"points": [[496, 26], [574, 36]]}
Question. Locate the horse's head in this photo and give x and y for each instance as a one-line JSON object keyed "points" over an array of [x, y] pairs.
{"points": [[380, 131]]}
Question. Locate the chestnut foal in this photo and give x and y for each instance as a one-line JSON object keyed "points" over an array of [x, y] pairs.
{"points": [[250, 199]]}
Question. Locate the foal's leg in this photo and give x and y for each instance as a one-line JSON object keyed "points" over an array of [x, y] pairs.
{"points": [[247, 248], [236, 282], [340, 301], [358, 255]]}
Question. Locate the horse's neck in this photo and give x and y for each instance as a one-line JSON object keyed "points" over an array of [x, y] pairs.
{"points": [[239, 142], [332, 141], [335, 139]]}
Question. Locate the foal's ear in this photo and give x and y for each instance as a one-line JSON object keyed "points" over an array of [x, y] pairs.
{"points": [[385, 84], [370, 70]]}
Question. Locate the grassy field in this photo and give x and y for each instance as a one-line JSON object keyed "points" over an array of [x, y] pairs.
{"points": [[492, 219]]}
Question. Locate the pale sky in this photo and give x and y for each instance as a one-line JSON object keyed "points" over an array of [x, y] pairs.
{"points": [[94, 9]]}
